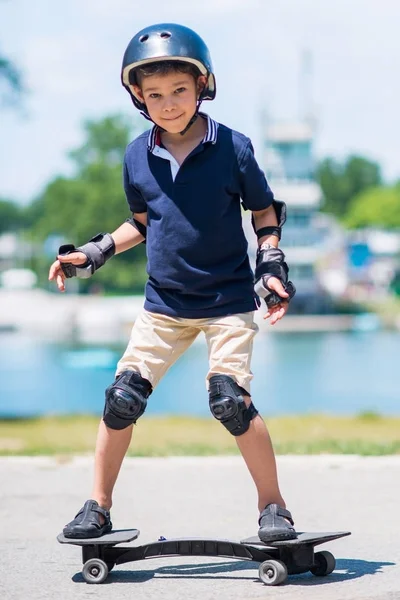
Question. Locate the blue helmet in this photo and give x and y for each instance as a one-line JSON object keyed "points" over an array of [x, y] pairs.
{"points": [[166, 41]]}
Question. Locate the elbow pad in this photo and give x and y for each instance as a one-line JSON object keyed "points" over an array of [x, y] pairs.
{"points": [[280, 210], [139, 226], [98, 250]]}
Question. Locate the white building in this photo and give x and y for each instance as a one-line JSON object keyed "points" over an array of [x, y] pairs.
{"points": [[313, 242]]}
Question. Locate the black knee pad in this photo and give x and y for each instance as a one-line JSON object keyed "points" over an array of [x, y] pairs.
{"points": [[126, 400], [228, 406]]}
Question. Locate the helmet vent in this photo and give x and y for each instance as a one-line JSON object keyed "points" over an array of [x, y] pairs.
{"points": [[165, 35], [144, 38]]}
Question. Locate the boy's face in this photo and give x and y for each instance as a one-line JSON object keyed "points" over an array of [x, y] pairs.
{"points": [[171, 99]]}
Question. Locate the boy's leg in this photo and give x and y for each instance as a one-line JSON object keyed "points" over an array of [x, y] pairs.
{"points": [[156, 343], [275, 522], [230, 342], [111, 447], [256, 448], [93, 520]]}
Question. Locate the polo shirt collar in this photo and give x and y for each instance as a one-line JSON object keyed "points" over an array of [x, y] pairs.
{"points": [[210, 136]]}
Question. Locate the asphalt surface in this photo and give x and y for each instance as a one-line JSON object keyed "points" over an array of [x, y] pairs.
{"points": [[200, 497]]}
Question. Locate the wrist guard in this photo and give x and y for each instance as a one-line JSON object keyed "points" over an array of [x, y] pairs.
{"points": [[270, 262], [98, 250]]}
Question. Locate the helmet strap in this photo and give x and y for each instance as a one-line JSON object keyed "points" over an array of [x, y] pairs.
{"points": [[192, 120], [146, 116], [196, 114]]}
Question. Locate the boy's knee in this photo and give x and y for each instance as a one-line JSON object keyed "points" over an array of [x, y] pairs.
{"points": [[230, 404]]}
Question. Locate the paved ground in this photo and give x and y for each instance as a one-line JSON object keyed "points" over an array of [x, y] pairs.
{"points": [[200, 497]]}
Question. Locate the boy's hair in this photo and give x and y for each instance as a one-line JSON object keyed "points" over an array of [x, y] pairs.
{"points": [[164, 67]]}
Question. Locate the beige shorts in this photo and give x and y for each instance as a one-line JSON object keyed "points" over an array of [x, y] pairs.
{"points": [[157, 341]]}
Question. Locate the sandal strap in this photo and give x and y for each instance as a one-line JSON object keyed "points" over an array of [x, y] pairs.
{"points": [[283, 512], [101, 510], [92, 506], [279, 511]]}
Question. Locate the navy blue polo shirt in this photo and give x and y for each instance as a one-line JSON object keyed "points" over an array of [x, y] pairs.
{"points": [[197, 259]]}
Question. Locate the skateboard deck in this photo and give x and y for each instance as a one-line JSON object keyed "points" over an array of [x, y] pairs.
{"points": [[120, 536], [117, 536], [314, 539]]}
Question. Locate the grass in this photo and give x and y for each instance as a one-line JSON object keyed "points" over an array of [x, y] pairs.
{"points": [[367, 434]]}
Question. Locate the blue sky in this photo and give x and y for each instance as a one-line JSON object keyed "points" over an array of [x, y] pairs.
{"points": [[71, 54]]}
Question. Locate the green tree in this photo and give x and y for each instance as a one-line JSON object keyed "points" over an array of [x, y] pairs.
{"points": [[11, 86], [93, 201], [379, 206], [106, 141], [10, 77], [341, 182], [11, 216]]}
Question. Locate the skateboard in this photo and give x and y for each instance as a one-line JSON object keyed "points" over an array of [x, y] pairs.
{"points": [[277, 559]]}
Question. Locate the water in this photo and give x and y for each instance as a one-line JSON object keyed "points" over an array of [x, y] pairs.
{"points": [[337, 373]]}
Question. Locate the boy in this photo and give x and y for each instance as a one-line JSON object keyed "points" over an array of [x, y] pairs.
{"points": [[184, 182]]}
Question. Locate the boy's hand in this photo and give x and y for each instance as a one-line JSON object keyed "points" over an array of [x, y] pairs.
{"points": [[277, 311], [56, 272]]}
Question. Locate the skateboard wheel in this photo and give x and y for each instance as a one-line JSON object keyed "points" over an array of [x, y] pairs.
{"points": [[272, 572], [94, 571], [324, 563]]}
